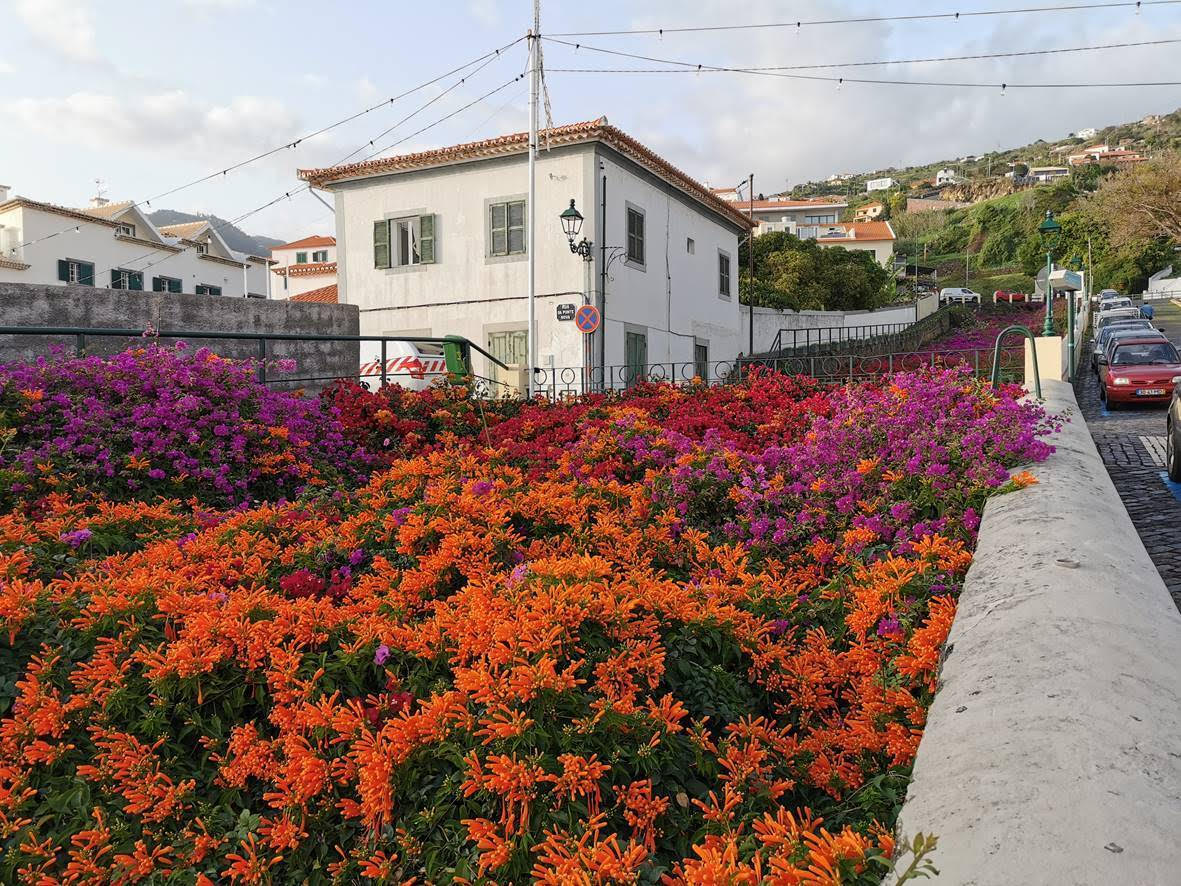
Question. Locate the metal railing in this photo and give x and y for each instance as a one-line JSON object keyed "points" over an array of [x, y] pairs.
{"points": [[571, 381], [456, 349], [838, 368], [815, 338]]}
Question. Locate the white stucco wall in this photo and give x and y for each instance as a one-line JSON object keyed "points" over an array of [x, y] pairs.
{"points": [[673, 299], [769, 321], [97, 244]]}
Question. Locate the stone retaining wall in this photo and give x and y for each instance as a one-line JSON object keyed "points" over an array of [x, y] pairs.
{"points": [[1052, 752]]}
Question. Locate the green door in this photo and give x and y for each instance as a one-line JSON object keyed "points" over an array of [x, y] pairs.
{"points": [[635, 355]]}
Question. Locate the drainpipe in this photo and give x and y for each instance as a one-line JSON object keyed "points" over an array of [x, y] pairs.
{"points": [[603, 277]]}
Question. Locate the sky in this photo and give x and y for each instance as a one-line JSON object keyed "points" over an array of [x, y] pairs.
{"points": [[148, 96]]}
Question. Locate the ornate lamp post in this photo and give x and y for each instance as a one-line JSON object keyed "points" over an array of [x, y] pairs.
{"points": [[571, 225], [1050, 231]]}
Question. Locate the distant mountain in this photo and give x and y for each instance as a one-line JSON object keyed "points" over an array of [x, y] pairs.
{"points": [[234, 236]]}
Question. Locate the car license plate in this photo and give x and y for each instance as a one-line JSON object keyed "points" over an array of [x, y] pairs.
{"points": [[1150, 392]]}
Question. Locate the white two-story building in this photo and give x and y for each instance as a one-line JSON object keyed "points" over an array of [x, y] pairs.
{"points": [[116, 246], [434, 244], [304, 265]]}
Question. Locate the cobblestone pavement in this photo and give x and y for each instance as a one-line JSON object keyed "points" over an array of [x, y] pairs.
{"points": [[1131, 442]]}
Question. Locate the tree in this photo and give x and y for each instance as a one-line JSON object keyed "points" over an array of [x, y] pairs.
{"points": [[1141, 203], [800, 275]]}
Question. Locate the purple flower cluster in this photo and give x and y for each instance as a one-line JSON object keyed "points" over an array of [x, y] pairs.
{"points": [[155, 421]]}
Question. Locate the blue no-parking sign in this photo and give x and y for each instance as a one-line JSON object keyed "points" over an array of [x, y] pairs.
{"points": [[587, 319]]}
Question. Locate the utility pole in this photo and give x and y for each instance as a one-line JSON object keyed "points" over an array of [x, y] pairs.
{"points": [[750, 263], [531, 247]]}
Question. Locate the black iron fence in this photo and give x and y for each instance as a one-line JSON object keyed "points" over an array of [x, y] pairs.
{"points": [[878, 338], [838, 368]]}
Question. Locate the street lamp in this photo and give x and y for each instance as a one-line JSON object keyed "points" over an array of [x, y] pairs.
{"points": [[1050, 231], [571, 225]]}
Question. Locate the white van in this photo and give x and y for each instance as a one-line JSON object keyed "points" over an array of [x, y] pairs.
{"points": [[412, 365], [958, 295]]}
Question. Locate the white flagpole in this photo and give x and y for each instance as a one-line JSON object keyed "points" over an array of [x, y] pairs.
{"points": [[531, 247]]}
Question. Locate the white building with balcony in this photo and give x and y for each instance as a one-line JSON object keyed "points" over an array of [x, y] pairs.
{"points": [[116, 246], [434, 244]]}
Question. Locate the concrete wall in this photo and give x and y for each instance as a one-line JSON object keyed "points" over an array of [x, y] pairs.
{"points": [[1052, 752], [768, 321], [23, 305]]}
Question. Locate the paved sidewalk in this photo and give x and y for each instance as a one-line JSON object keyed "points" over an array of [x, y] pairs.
{"points": [[1131, 442]]}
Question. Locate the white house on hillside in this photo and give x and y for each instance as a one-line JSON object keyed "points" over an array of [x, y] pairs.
{"points": [[434, 244], [946, 177], [799, 217], [116, 246], [879, 184], [872, 236], [304, 265]]}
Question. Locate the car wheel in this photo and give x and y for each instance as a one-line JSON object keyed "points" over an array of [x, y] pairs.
{"points": [[1172, 456]]}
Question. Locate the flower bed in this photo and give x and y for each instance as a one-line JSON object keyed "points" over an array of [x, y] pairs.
{"points": [[682, 633]]}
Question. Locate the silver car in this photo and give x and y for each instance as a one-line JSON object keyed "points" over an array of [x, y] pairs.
{"points": [[1102, 337]]}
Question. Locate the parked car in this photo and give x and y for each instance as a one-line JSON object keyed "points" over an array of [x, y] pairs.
{"points": [[1108, 317], [1104, 294], [1002, 295], [1104, 335], [958, 295], [1120, 336], [1113, 304], [1173, 434], [1140, 370]]}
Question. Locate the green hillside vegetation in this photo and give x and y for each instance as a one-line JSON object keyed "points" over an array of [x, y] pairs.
{"points": [[999, 238]]}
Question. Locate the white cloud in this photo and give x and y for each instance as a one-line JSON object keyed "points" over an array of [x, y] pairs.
{"points": [[719, 127], [65, 26], [6, 68], [166, 124]]}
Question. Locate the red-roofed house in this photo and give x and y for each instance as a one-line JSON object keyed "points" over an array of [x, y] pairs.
{"points": [[325, 295], [434, 243], [304, 265], [874, 236]]}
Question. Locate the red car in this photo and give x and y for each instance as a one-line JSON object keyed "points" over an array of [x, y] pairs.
{"points": [[1002, 295], [1140, 370]]}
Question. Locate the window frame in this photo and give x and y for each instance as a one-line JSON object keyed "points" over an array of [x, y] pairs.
{"points": [[201, 248], [690, 246], [319, 256], [630, 210], [125, 229], [164, 284], [207, 289], [301, 258], [73, 265], [397, 248], [490, 228], [725, 283], [122, 278]]}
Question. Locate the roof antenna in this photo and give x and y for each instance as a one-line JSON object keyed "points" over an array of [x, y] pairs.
{"points": [[100, 194]]}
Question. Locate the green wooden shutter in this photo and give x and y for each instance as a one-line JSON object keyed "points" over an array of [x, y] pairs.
{"points": [[157, 284], [174, 286], [381, 244], [426, 239], [136, 282], [63, 270], [86, 273]]}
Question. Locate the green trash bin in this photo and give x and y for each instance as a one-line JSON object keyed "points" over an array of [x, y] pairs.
{"points": [[457, 354]]}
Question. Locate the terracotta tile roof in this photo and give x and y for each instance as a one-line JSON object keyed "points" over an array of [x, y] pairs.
{"points": [[871, 230], [308, 269], [518, 143], [315, 240], [24, 202], [183, 230], [14, 265], [110, 210], [325, 295]]}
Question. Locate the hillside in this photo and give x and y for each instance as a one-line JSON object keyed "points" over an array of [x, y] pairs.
{"points": [[234, 236], [1152, 134]]}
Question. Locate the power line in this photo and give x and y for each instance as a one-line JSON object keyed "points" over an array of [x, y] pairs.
{"points": [[307, 187], [486, 58], [691, 67], [932, 16], [694, 67]]}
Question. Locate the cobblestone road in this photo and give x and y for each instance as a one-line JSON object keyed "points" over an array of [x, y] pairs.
{"points": [[1132, 444]]}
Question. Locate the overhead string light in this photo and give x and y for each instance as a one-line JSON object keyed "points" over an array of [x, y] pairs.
{"points": [[221, 173], [951, 16]]}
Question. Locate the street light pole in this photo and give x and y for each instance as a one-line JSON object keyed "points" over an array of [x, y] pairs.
{"points": [[531, 247], [1049, 230], [750, 263]]}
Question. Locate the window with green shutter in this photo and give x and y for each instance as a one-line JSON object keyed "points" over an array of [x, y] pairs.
{"points": [[206, 289], [74, 272], [401, 242], [635, 236], [506, 228], [123, 279], [301, 258], [165, 284], [381, 244]]}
